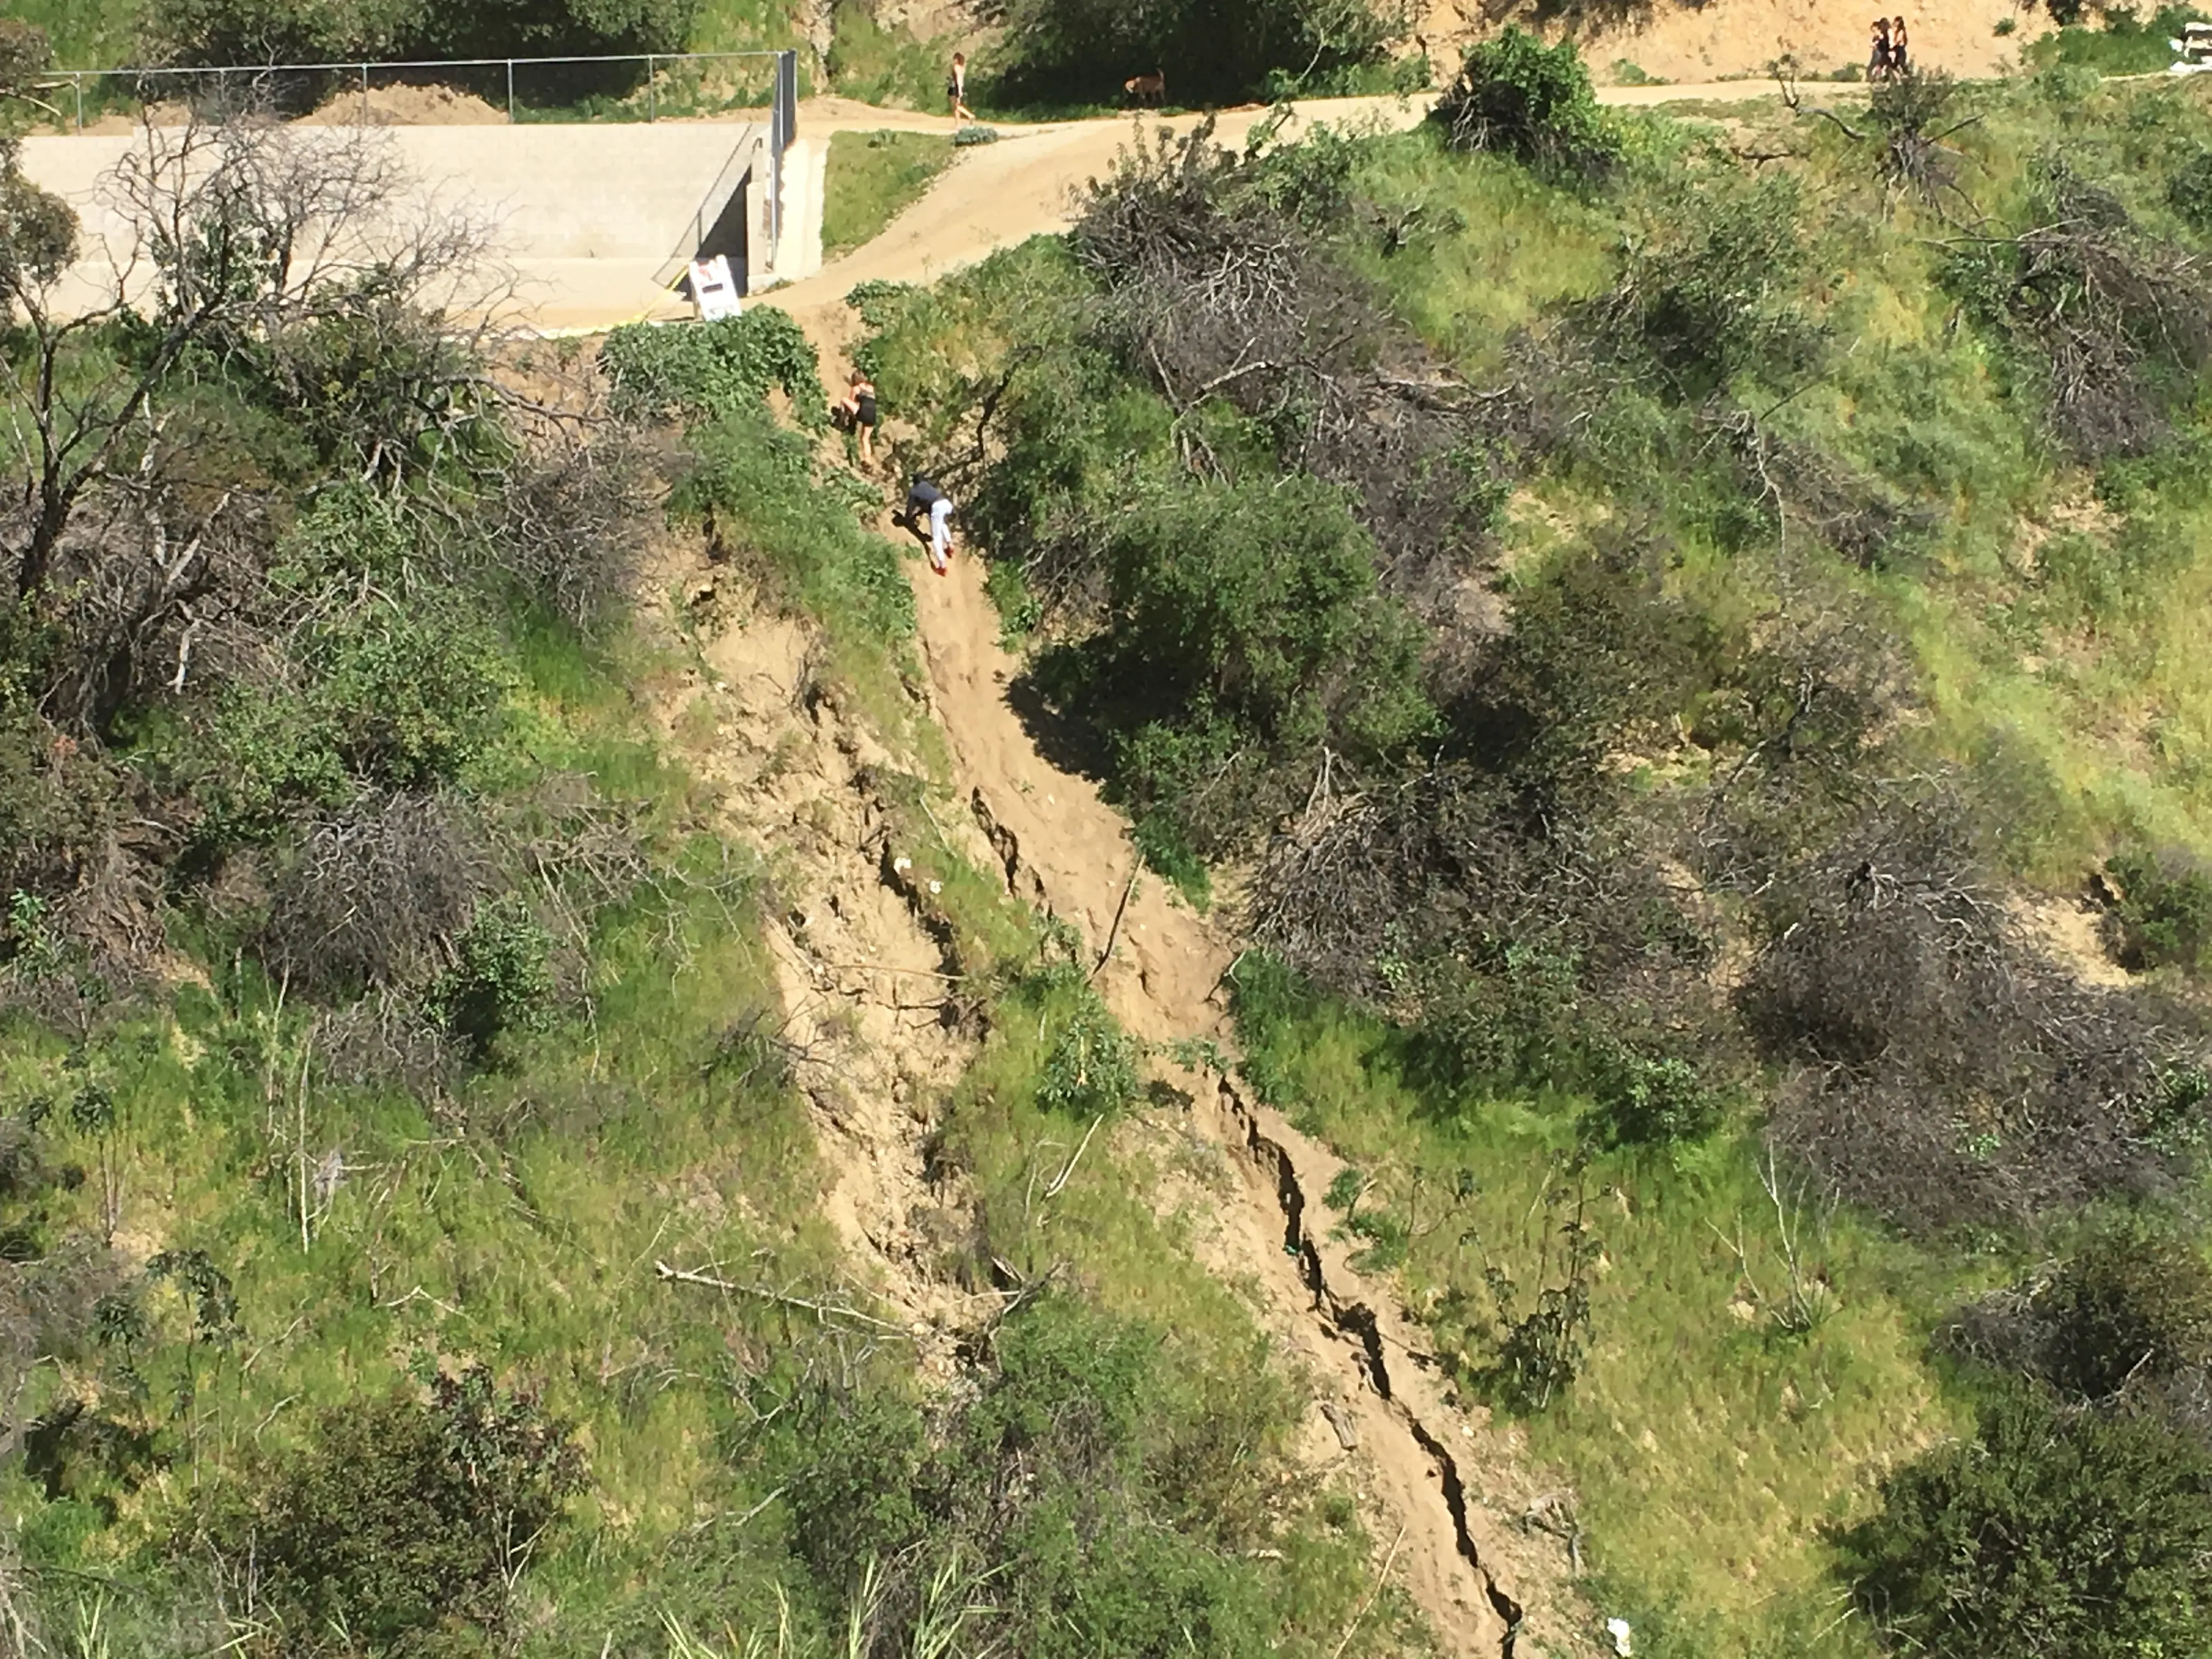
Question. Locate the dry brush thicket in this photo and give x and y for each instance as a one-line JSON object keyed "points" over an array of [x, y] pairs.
{"points": [[1803, 896], [274, 483]]}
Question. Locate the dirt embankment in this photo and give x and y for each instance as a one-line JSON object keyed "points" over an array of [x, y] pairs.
{"points": [[1727, 39], [862, 979]]}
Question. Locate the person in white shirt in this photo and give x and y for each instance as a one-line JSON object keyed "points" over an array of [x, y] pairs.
{"points": [[923, 498]]}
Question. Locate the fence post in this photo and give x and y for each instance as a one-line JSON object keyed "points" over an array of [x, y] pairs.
{"points": [[364, 94], [651, 93], [77, 81], [510, 92]]}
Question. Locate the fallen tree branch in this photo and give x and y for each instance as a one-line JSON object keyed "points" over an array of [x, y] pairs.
{"points": [[819, 1309]]}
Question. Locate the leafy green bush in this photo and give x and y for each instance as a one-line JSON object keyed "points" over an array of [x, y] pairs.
{"points": [[285, 32], [755, 487], [1081, 50], [1516, 94], [704, 370], [2126, 43], [2130, 1304], [2055, 1531], [1091, 1068], [1644, 1101], [398, 1527], [2163, 918], [2189, 186], [1240, 627], [395, 682], [501, 980], [1107, 1491]]}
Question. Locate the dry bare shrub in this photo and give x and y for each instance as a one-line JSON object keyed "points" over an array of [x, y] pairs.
{"points": [[2119, 320], [386, 1039], [1220, 285], [375, 894], [1809, 493], [1525, 942], [157, 587], [572, 519], [1940, 1068]]}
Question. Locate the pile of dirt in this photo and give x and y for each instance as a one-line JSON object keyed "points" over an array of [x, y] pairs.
{"points": [[405, 106]]}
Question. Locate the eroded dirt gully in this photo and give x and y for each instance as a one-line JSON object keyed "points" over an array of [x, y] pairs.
{"points": [[861, 981], [1446, 1480]]}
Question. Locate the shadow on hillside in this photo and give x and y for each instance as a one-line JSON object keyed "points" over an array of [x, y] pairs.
{"points": [[1068, 741]]}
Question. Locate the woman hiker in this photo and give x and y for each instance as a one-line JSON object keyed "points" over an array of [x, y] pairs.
{"points": [[924, 500], [858, 406], [1878, 58], [956, 88], [1900, 57]]}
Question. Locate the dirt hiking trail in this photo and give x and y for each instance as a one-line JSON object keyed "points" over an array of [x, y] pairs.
{"points": [[997, 195], [1444, 1485]]}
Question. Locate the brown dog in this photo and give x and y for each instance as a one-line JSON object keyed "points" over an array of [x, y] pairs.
{"points": [[1147, 88]]}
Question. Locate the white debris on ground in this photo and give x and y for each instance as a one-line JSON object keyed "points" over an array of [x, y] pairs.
{"points": [[1618, 1629]]}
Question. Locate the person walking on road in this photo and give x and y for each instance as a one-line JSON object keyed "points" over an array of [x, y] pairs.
{"points": [[1901, 56], [956, 88], [1878, 58], [926, 502]]}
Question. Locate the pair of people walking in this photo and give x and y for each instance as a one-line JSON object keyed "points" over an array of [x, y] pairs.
{"points": [[1892, 56]]}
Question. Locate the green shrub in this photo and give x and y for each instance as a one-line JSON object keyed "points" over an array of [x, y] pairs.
{"points": [[1516, 94], [1241, 626], [395, 1529], [1644, 1101], [285, 32], [1096, 1476], [261, 758], [704, 370], [411, 693], [397, 682], [1082, 51], [2163, 918], [2130, 1304], [2076, 1534], [1091, 1068], [2189, 188], [754, 486], [501, 980], [2126, 43]]}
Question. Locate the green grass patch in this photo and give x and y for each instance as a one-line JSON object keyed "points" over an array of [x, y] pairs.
{"points": [[1718, 1424], [874, 177]]}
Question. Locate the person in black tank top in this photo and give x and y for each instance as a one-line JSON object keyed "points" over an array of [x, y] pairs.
{"points": [[858, 406]]}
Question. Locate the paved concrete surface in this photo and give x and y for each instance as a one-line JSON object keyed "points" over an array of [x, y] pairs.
{"points": [[581, 219]]}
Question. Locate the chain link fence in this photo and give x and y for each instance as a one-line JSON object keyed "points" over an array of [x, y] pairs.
{"points": [[530, 89]]}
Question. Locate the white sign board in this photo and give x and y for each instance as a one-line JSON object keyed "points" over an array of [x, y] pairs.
{"points": [[714, 290]]}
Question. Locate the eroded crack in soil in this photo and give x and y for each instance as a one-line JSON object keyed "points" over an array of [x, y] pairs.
{"points": [[1061, 847]]}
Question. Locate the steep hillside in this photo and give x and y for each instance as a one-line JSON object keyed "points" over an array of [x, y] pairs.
{"points": [[1657, 635], [1519, 951]]}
